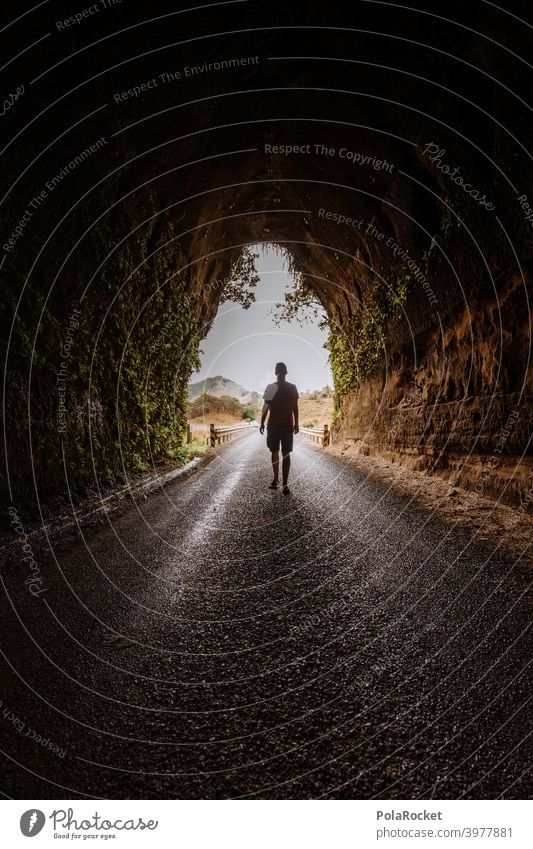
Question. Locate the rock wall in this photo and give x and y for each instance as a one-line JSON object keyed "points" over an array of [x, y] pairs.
{"points": [[462, 409]]}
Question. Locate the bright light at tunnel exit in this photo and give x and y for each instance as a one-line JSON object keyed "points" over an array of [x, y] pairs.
{"points": [[244, 345]]}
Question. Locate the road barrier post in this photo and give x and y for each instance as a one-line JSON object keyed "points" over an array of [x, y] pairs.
{"points": [[320, 435], [212, 435]]}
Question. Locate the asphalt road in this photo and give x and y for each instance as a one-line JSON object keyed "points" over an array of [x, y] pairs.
{"points": [[221, 640]]}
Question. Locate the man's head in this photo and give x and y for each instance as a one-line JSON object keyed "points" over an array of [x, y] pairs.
{"points": [[281, 369]]}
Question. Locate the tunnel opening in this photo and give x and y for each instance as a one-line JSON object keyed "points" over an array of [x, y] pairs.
{"points": [[257, 326], [260, 320]]}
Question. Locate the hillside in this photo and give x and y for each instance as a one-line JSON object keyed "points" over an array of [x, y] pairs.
{"points": [[207, 409], [219, 387], [225, 402], [315, 409]]}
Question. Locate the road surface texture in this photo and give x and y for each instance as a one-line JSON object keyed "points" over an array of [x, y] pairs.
{"points": [[219, 639]]}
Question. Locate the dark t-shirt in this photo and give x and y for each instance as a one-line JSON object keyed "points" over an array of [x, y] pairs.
{"points": [[281, 399]]}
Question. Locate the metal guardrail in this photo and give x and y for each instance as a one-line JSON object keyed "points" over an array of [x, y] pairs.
{"points": [[216, 435], [219, 435], [320, 435]]}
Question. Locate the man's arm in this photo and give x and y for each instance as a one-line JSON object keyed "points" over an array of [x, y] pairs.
{"points": [[296, 414], [264, 413]]}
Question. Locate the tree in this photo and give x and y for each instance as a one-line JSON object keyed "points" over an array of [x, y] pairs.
{"points": [[242, 280], [249, 413]]}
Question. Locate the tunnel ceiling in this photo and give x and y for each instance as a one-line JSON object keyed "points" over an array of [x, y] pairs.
{"points": [[195, 110], [374, 83]]}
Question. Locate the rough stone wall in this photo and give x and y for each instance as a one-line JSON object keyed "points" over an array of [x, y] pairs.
{"points": [[463, 410]]}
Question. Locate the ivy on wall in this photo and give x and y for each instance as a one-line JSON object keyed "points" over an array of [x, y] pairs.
{"points": [[148, 346], [356, 345], [102, 392], [99, 363]]}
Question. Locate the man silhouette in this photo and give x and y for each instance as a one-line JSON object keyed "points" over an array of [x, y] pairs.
{"points": [[281, 406]]}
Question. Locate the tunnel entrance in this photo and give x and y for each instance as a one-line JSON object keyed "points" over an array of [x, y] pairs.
{"points": [[245, 343], [257, 325]]}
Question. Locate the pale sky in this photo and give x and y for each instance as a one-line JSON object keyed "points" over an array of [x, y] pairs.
{"points": [[244, 345]]}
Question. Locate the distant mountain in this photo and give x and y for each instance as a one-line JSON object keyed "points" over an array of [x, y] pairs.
{"points": [[219, 386]]}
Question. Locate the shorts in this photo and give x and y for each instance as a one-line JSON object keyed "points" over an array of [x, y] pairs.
{"points": [[277, 434]]}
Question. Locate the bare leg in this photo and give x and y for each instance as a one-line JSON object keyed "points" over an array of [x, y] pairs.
{"points": [[275, 465], [286, 467]]}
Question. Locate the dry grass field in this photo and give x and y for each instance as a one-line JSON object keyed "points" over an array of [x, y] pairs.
{"points": [[315, 412]]}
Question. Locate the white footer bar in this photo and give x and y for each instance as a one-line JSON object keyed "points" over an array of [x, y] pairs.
{"points": [[261, 824]]}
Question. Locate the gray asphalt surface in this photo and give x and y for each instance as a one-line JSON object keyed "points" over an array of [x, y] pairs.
{"points": [[221, 640]]}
